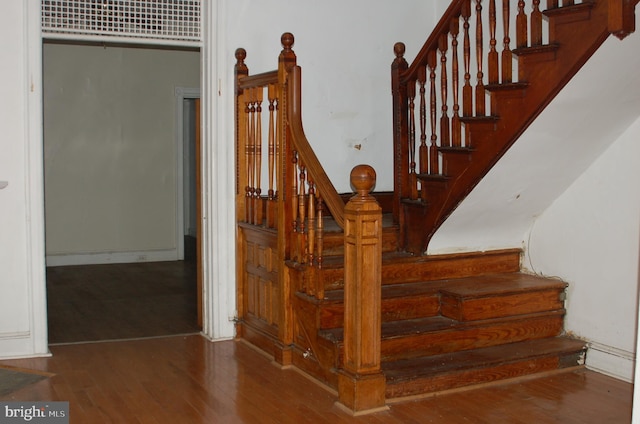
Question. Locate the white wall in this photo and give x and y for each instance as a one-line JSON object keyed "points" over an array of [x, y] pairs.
{"points": [[110, 151], [590, 237], [345, 50], [22, 294]]}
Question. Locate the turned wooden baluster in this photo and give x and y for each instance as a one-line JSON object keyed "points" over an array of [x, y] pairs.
{"points": [[302, 212], [294, 192], [413, 181], [521, 26], [507, 56], [320, 236], [552, 4], [258, 207], [456, 127], [271, 194], [311, 222], [494, 77], [424, 150], [480, 92], [467, 90], [536, 24], [443, 46], [434, 167], [249, 154], [361, 383], [568, 2]]}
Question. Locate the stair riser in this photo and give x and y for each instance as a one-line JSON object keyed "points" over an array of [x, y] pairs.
{"points": [[465, 310], [472, 337], [332, 316], [477, 376], [433, 268]]}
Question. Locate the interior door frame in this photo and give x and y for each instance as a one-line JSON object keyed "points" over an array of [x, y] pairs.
{"points": [[181, 94]]}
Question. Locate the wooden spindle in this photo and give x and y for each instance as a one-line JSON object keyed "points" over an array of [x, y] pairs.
{"points": [[302, 197], [480, 92], [270, 209], [456, 126], [521, 26], [467, 90], [507, 56], [423, 153], [294, 192], [413, 182], [433, 146], [320, 234], [443, 46], [493, 77], [552, 4], [258, 211], [536, 24], [568, 3], [311, 220], [249, 156]]}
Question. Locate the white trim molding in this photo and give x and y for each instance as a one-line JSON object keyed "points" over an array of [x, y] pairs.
{"points": [[217, 164], [612, 361], [94, 258]]}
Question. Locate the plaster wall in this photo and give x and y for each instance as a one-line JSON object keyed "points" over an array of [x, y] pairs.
{"points": [[590, 236], [110, 150]]}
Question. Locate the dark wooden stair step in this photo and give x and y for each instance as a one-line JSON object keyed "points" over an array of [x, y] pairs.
{"points": [[437, 335], [498, 295], [464, 299], [458, 369]]}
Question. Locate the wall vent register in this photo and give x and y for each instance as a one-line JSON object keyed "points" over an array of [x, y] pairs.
{"points": [[172, 22]]}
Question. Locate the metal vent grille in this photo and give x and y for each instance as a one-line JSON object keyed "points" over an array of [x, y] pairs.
{"points": [[153, 21]]}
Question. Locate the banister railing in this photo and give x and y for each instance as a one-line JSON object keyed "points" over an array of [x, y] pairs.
{"points": [[316, 172], [469, 53], [292, 212]]}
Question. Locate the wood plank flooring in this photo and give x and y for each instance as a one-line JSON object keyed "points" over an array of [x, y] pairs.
{"points": [[121, 301], [188, 379]]}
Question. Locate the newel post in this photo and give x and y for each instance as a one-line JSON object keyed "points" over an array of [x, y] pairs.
{"points": [[361, 384]]}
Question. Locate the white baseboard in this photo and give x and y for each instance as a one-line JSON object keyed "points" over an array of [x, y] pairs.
{"points": [[17, 345], [113, 257], [609, 360]]}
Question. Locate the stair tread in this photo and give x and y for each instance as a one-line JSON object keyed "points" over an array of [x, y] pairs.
{"points": [[417, 326], [497, 284], [405, 369], [470, 287]]}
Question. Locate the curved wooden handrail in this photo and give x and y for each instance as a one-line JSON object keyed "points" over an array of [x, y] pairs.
{"points": [[294, 115]]}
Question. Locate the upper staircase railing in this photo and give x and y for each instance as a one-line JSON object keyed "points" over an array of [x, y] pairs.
{"points": [[448, 131]]}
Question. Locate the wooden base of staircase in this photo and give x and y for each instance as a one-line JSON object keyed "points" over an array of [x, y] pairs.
{"points": [[448, 322], [449, 333]]}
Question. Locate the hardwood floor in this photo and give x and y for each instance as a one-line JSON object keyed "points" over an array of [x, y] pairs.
{"points": [[121, 301], [188, 379]]}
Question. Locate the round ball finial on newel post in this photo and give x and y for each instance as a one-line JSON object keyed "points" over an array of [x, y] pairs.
{"points": [[399, 49], [287, 40], [287, 56], [363, 179], [241, 55]]}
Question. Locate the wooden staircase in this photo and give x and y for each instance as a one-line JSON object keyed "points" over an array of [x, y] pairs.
{"points": [[395, 322], [448, 321], [450, 162]]}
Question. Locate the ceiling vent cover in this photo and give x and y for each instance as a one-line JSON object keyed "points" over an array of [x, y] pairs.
{"points": [[174, 22]]}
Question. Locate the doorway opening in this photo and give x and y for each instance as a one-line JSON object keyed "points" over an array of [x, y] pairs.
{"points": [[116, 264]]}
